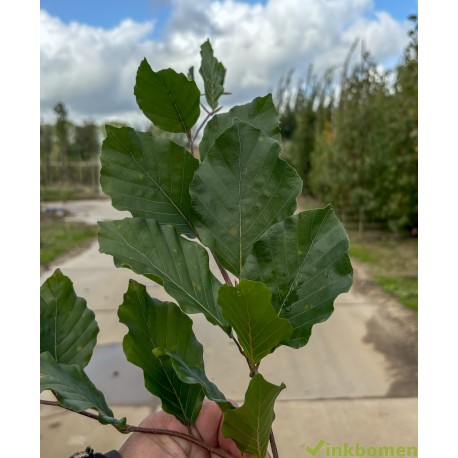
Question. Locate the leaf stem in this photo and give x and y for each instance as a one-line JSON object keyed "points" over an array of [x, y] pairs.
{"points": [[191, 142], [223, 271], [202, 124], [240, 348], [203, 106], [139, 429], [209, 115]]}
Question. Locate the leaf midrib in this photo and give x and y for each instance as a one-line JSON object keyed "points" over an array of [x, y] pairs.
{"points": [[164, 275], [303, 261], [169, 94], [153, 180], [162, 365]]}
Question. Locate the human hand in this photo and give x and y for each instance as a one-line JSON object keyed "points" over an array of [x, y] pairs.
{"points": [[207, 428]]}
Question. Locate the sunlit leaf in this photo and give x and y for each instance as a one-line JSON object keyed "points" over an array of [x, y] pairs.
{"points": [[304, 262], [169, 99], [248, 309], [261, 113], [240, 189], [250, 425]]}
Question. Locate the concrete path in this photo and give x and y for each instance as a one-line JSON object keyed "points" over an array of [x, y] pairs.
{"points": [[355, 381]]}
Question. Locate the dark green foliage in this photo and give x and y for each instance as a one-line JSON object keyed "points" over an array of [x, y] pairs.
{"points": [[213, 74], [73, 389], [260, 113], [85, 144], [238, 202], [248, 308], [156, 173], [153, 323], [250, 425], [230, 211], [304, 262], [62, 127], [357, 146], [167, 98], [68, 328], [68, 332], [237, 205]]}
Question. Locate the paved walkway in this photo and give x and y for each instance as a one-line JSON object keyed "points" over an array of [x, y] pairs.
{"points": [[355, 381]]}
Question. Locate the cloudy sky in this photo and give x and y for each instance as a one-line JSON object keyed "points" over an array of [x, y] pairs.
{"points": [[90, 50]]}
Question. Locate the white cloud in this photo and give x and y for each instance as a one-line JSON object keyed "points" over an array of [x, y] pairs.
{"points": [[92, 70]]}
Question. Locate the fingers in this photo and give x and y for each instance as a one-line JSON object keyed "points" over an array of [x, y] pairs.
{"points": [[163, 420], [209, 421]]}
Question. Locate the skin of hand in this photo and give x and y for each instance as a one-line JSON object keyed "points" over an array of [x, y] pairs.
{"points": [[206, 428]]}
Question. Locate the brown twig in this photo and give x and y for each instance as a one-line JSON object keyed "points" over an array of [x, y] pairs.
{"points": [[273, 445], [139, 429], [223, 271]]}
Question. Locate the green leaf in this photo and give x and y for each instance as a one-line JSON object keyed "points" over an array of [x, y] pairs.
{"points": [[167, 98], [213, 74], [248, 309], [161, 254], [68, 330], [148, 176], [153, 323], [194, 375], [261, 113], [240, 189], [250, 425], [73, 389], [304, 262]]}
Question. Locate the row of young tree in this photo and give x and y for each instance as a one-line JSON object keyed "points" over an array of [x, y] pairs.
{"points": [[68, 152], [354, 139]]}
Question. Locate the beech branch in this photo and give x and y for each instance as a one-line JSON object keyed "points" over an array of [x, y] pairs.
{"points": [[139, 429]]}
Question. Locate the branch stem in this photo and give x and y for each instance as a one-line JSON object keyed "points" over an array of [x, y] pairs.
{"points": [[273, 445], [139, 429], [209, 115], [223, 271], [204, 107], [202, 124]]}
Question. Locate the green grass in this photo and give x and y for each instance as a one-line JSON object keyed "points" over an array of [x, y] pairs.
{"points": [[392, 263], [58, 237], [362, 253], [405, 289], [67, 192]]}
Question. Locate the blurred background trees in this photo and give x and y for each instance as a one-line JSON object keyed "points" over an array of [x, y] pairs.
{"points": [[69, 157], [351, 133], [354, 139]]}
